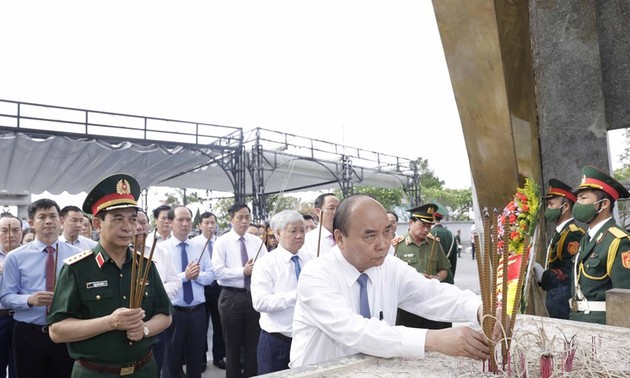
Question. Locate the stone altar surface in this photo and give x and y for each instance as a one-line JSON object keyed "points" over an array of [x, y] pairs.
{"points": [[601, 351]]}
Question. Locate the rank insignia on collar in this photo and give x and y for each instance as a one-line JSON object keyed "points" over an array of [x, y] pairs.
{"points": [[99, 260], [599, 238], [408, 240]]}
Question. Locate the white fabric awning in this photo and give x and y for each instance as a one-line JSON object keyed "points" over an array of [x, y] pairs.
{"points": [[55, 163]]}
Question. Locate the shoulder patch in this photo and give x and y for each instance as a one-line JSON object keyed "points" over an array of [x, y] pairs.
{"points": [[397, 239], [573, 228], [618, 233], [573, 247], [625, 259], [431, 236], [79, 256]]}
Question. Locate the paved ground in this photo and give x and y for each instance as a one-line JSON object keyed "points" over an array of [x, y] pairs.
{"points": [[465, 278]]}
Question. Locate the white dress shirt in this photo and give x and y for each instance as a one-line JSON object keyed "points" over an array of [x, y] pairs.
{"points": [[274, 286], [310, 242], [172, 249], [226, 257], [158, 239], [166, 269], [3, 255], [80, 242], [327, 324]]}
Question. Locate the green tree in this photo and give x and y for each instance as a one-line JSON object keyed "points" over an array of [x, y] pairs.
{"points": [[389, 198], [457, 201], [177, 197], [428, 179], [221, 211], [276, 203]]}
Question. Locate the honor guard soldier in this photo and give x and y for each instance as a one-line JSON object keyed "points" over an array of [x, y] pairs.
{"points": [[563, 246], [603, 261], [422, 251], [92, 310], [447, 241]]}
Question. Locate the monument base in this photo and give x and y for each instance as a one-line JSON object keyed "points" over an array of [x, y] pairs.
{"points": [[598, 350]]}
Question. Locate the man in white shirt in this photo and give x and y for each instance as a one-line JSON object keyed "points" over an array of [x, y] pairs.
{"points": [[319, 241], [162, 225], [168, 275], [10, 236], [208, 227], [233, 260], [347, 299], [71, 224], [186, 335], [274, 283]]}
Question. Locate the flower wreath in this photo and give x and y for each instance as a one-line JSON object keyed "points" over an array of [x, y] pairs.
{"points": [[519, 218]]}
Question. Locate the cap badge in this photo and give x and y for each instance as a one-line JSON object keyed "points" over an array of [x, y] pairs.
{"points": [[430, 210], [122, 187]]}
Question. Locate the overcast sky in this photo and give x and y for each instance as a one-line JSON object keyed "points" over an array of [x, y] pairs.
{"points": [[368, 74]]}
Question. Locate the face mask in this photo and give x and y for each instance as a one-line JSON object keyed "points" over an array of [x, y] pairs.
{"points": [[553, 215], [585, 213]]}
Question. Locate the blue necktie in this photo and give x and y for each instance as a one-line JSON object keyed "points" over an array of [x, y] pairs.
{"points": [[296, 262], [364, 305], [188, 292]]}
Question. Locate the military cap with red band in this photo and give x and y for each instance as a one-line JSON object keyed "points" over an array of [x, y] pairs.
{"points": [[558, 188], [424, 212], [593, 178], [114, 192]]}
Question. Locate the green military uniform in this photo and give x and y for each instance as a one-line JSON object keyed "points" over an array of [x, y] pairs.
{"points": [[419, 255], [447, 241], [556, 280], [428, 257], [92, 286], [563, 246], [603, 262]]}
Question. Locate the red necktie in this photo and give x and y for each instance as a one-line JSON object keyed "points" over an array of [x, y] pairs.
{"points": [[50, 268]]}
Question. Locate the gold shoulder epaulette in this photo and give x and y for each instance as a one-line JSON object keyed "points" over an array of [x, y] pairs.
{"points": [[618, 233], [397, 240], [574, 227], [431, 236], [79, 256]]}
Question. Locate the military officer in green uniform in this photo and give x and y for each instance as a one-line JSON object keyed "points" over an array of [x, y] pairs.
{"points": [[423, 251], [91, 309], [603, 261], [563, 246], [447, 241]]}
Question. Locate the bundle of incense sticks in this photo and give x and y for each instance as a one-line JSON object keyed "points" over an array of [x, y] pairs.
{"points": [[487, 283], [140, 269], [489, 257]]}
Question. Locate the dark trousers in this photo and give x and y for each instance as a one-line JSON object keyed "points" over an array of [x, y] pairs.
{"points": [[212, 293], [159, 349], [240, 330], [273, 352], [36, 355], [187, 337], [408, 319], [6, 350]]}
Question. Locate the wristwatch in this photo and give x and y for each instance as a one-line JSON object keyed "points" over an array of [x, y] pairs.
{"points": [[146, 331]]}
